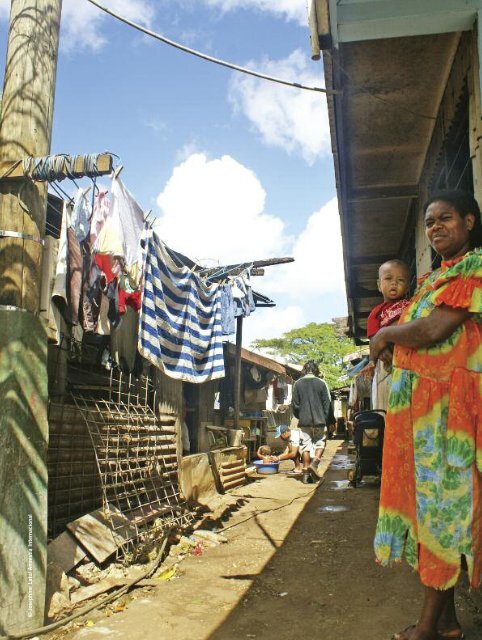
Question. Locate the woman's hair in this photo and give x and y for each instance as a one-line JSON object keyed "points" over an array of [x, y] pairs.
{"points": [[310, 367], [464, 203]]}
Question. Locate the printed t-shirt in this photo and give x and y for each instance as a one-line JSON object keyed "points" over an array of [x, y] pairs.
{"points": [[385, 314]]}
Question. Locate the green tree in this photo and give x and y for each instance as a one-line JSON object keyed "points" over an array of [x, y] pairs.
{"points": [[317, 342]]}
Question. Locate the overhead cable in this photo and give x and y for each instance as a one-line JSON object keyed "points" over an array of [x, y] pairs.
{"points": [[204, 56]]}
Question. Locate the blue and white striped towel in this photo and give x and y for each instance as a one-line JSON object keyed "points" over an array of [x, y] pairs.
{"points": [[180, 319]]}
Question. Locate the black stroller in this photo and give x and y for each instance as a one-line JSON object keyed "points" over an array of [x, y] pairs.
{"points": [[368, 439]]}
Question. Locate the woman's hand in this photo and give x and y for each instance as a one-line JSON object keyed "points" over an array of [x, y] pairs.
{"points": [[420, 333], [378, 343], [386, 356]]}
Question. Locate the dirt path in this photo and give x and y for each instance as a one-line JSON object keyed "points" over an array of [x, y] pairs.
{"points": [[298, 564]]}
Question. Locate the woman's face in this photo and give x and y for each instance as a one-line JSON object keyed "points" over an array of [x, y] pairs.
{"points": [[447, 231]]}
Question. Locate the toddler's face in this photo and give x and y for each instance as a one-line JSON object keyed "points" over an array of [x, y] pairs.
{"points": [[393, 282]]}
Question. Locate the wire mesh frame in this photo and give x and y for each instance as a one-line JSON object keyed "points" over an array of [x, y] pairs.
{"points": [[137, 460], [135, 454]]}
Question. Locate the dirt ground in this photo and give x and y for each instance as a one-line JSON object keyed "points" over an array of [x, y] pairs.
{"points": [[298, 563]]}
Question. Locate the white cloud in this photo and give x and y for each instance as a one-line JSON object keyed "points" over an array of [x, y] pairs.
{"points": [[285, 117], [318, 267], [213, 210], [289, 9], [4, 9], [187, 150], [82, 24], [272, 323]]}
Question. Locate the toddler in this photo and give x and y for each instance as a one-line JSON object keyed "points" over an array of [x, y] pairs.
{"points": [[264, 452], [393, 283]]}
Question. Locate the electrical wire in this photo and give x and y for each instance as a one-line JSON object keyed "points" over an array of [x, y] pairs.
{"points": [[82, 612], [258, 513], [204, 56]]}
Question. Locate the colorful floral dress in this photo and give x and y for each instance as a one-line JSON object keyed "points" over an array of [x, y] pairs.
{"points": [[431, 496]]}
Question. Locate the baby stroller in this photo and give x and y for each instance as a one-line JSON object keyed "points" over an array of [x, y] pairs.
{"points": [[368, 439]]}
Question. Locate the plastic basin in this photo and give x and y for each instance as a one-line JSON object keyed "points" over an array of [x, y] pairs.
{"points": [[266, 467]]}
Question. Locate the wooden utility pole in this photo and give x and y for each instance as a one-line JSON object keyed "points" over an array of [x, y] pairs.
{"points": [[25, 130]]}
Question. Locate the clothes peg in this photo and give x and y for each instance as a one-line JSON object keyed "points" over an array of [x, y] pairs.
{"points": [[117, 171]]}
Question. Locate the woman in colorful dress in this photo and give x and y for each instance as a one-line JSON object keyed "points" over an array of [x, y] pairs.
{"points": [[431, 495]]}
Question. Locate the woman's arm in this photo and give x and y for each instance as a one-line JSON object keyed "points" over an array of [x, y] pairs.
{"points": [[420, 333]]}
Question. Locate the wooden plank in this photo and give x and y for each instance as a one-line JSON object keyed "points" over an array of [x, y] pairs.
{"points": [[233, 463], [233, 476], [13, 170], [384, 192], [146, 514], [65, 551], [234, 483], [257, 359], [94, 590], [96, 532]]}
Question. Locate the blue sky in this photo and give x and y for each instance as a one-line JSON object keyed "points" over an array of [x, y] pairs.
{"points": [[235, 168]]}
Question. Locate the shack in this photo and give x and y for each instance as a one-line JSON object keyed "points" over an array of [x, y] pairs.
{"points": [[119, 419]]}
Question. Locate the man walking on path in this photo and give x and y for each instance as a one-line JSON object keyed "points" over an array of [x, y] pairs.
{"points": [[311, 405]]}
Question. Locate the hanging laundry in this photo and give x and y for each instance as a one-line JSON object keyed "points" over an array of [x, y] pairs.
{"points": [[74, 279], [59, 291], [124, 342], [128, 216], [120, 237], [180, 319], [228, 310], [99, 215], [243, 295], [81, 214]]}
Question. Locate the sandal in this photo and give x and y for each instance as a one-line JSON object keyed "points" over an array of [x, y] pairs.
{"points": [[454, 634], [402, 635]]}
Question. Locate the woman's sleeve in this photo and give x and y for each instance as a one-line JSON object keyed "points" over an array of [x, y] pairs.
{"points": [[460, 285]]}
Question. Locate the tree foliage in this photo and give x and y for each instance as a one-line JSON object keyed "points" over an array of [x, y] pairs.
{"points": [[317, 342]]}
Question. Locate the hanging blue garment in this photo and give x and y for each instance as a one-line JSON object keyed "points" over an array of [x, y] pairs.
{"points": [[228, 324], [81, 214], [180, 319], [243, 297]]}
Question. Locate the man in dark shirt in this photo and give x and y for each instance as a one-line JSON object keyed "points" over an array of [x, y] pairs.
{"points": [[311, 405]]}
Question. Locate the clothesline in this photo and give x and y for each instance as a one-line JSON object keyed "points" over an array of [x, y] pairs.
{"points": [[116, 279]]}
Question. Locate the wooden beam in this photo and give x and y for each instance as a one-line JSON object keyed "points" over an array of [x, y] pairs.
{"points": [[361, 292], [372, 19], [235, 269], [272, 261], [237, 370], [368, 260], [258, 360], [13, 169], [389, 192]]}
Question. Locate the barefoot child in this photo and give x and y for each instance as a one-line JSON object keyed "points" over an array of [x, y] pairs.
{"points": [[393, 282]]}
